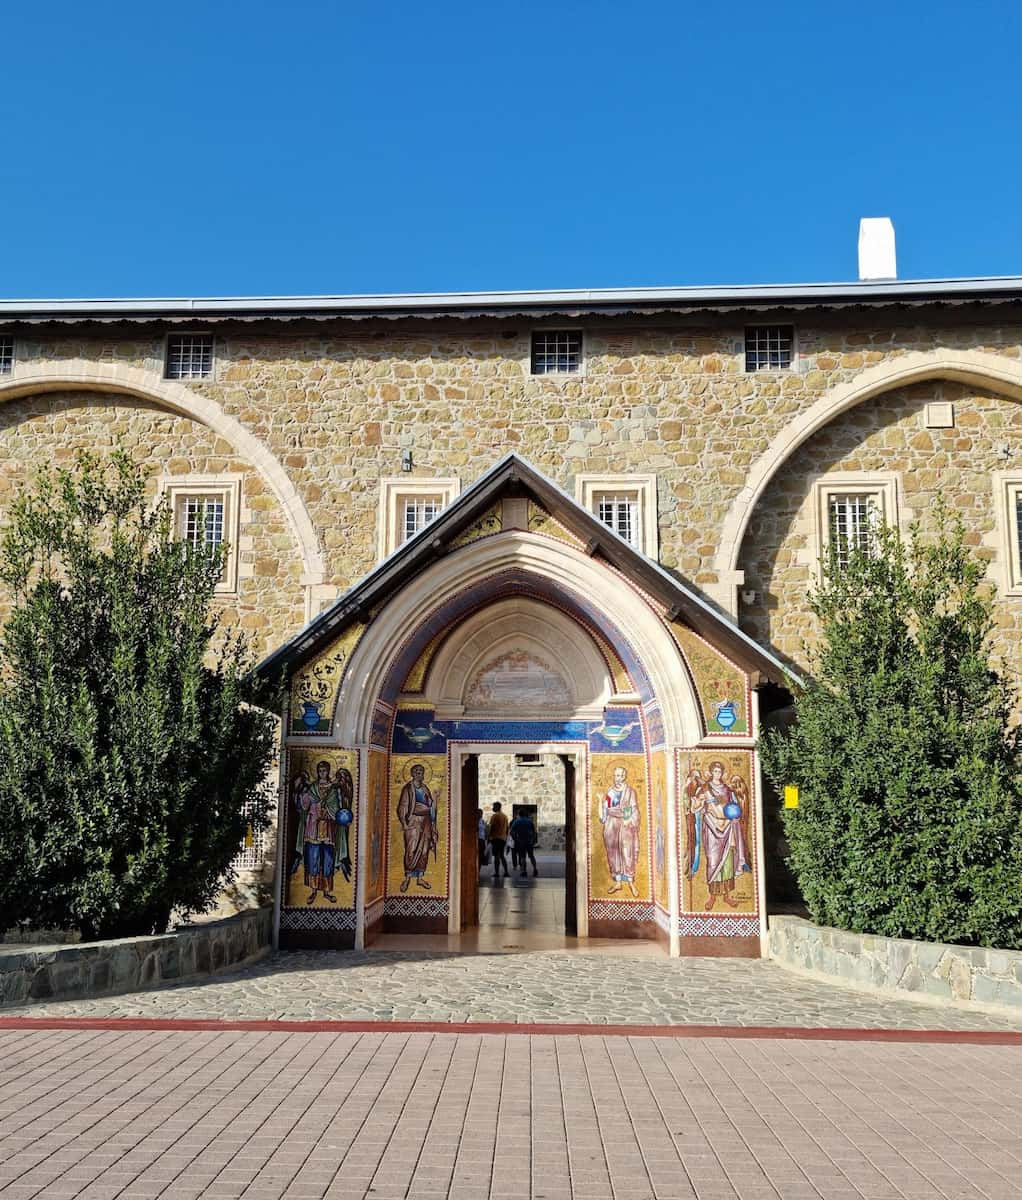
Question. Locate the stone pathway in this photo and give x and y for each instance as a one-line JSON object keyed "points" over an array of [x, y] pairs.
{"points": [[639, 988], [141, 1115]]}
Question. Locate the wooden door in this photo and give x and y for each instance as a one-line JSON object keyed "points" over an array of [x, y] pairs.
{"points": [[570, 882], [469, 841]]}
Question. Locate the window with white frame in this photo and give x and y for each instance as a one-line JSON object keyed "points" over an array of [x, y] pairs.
{"points": [[849, 508], [189, 356], [6, 354], [1008, 502], [769, 347], [556, 352], [624, 503], [206, 512], [620, 511], [418, 512], [407, 506]]}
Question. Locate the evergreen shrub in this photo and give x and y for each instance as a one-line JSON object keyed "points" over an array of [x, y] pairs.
{"points": [[134, 750], [905, 751]]}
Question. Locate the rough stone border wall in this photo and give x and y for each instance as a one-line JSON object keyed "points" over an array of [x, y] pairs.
{"points": [[965, 976], [33, 974]]}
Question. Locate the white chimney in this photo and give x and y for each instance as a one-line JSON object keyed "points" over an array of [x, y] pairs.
{"points": [[877, 259]]}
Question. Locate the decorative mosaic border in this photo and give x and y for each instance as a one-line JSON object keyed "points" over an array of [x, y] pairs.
{"points": [[718, 926], [607, 910], [318, 918], [415, 906]]}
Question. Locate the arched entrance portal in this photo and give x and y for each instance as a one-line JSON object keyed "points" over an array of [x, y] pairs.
{"points": [[516, 622]]}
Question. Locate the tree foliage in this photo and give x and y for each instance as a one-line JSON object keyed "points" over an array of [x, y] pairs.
{"points": [[908, 764], [131, 740]]}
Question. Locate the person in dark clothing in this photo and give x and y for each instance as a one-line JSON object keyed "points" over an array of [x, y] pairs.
{"points": [[482, 838], [524, 833], [498, 840]]}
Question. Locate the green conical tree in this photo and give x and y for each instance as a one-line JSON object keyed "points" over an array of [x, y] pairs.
{"points": [[131, 741], [904, 751]]}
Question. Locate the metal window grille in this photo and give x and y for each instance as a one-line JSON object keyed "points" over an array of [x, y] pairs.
{"points": [[189, 355], [253, 848], [852, 522], [620, 512], [6, 354], [556, 353], [419, 511], [202, 521], [769, 347]]}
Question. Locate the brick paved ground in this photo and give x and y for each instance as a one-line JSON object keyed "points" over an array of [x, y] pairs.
{"points": [[643, 987], [380, 1116]]}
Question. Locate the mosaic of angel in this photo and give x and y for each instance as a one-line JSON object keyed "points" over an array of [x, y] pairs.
{"points": [[716, 811], [324, 819]]}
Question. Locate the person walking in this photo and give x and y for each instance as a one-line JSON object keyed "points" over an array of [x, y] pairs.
{"points": [[482, 839], [524, 833], [498, 840]]}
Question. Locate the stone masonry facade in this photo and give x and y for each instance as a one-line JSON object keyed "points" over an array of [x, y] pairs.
{"points": [[336, 408], [329, 407]]}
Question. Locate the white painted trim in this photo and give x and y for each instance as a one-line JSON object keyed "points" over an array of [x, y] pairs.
{"points": [[228, 487], [885, 486], [1007, 485], [394, 489], [588, 486]]}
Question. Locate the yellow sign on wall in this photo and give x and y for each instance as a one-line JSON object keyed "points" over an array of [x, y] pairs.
{"points": [[790, 796]]}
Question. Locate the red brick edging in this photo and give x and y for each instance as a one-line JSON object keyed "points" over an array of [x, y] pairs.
{"points": [[788, 1032]]}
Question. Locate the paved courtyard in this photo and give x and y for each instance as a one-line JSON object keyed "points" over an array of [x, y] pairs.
{"points": [[442, 1116], [617, 986]]}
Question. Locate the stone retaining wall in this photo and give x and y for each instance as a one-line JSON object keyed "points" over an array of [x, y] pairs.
{"points": [[960, 975], [37, 973]]}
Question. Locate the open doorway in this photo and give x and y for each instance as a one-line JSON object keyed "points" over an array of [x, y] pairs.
{"points": [[534, 887]]}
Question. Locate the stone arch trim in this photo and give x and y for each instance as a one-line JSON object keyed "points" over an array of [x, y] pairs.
{"points": [[83, 375], [977, 368], [495, 568]]}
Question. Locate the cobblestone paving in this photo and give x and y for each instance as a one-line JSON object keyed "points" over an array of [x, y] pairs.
{"points": [[538, 987], [138, 1115]]}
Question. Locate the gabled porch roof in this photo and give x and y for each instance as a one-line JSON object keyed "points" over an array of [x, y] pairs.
{"points": [[510, 477]]}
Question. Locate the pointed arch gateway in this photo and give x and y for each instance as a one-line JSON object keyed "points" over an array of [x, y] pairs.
{"points": [[517, 621]]}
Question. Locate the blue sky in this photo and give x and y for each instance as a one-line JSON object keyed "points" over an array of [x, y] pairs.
{"points": [[310, 147]]}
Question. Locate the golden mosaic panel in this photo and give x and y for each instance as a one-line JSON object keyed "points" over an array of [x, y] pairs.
{"points": [[417, 818], [374, 826], [722, 688], [314, 689], [488, 523], [717, 831], [540, 521], [618, 828], [321, 828], [661, 842]]}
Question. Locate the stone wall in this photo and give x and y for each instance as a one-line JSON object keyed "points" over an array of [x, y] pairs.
{"points": [[501, 778], [964, 975], [65, 972], [887, 434], [48, 430], [337, 407]]}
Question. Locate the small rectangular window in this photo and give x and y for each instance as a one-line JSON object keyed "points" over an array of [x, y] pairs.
{"points": [[558, 352], [253, 848], [6, 354], [201, 520], [620, 511], [769, 347], [851, 525], [419, 511], [189, 355]]}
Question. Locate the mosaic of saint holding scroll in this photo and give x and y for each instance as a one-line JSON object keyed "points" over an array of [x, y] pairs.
{"points": [[324, 817], [714, 816], [619, 816], [417, 814]]}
